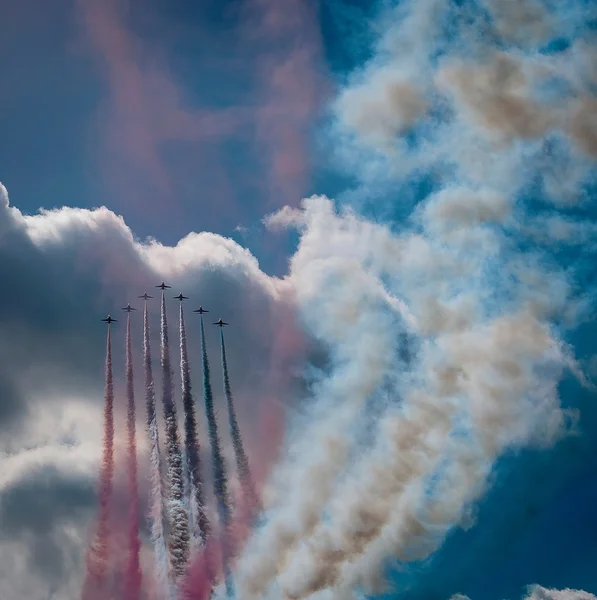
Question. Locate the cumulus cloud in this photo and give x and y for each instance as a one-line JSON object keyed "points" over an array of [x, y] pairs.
{"points": [[78, 265], [286, 217], [537, 592]]}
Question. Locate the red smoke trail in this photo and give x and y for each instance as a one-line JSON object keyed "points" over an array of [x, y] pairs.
{"points": [[198, 585], [95, 586], [133, 575], [156, 482]]}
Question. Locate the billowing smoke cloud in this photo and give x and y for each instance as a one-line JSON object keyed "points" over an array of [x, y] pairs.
{"points": [[133, 575], [447, 325], [156, 482], [220, 480], [178, 519], [523, 22], [97, 578], [498, 96], [383, 108], [250, 498], [198, 513]]}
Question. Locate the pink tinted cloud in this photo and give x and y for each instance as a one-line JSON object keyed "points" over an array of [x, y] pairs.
{"points": [[293, 86], [148, 114], [146, 109]]}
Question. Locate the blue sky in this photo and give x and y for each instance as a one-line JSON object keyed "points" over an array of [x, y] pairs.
{"points": [[213, 134]]}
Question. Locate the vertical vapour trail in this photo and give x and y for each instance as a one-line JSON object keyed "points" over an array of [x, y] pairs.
{"points": [[97, 558], [218, 465], [156, 500], [178, 542], [133, 570], [197, 497], [251, 500]]}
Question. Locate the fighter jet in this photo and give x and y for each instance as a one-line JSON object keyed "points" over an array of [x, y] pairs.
{"points": [[163, 286], [201, 310], [109, 320], [220, 323], [180, 297], [128, 308], [145, 296]]}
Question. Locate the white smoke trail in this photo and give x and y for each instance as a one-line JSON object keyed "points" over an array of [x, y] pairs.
{"points": [[134, 575], [156, 482], [178, 521]]}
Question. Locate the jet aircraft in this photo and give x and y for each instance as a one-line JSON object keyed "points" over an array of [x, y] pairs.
{"points": [[180, 297], [163, 286], [145, 296], [128, 308], [109, 320], [200, 310], [220, 323]]}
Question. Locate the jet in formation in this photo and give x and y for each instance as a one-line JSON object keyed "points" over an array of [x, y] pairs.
{"points": [[180, 297], [163, 286], [200, 310], [109, 320], [128, 308], [220, 323], [145, 296]]}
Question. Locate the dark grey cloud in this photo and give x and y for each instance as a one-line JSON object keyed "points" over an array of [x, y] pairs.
{"points": [[63, 271], [43, 500]]}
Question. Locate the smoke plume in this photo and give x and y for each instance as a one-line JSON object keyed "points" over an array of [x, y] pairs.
{"points": [[133, 575], [97, 557], [449, 322], [193, 456], [156, 482], [251, 500], [178, 520]]}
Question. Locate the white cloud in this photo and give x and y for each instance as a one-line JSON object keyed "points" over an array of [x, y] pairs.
{"points": [[67, 268], [537, 592]]}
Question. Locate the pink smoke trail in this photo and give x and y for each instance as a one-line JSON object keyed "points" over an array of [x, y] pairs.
{"points": [[95, 583], [133, 578], [198, 584], [156, 500]]}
